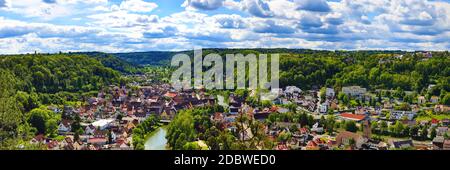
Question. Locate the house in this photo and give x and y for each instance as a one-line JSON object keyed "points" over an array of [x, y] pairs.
{"points": [[434, 99], [292, 91], [67, 143], [316, 128], [353, 117], [441, 131], [102, 123], [446, 144], [354, 91], [38, 139], [398, 114], [421, 100], [97, 141], [350, 138], [323, 108], [329, 93], [434, 122], [64, 127], [402, 144], [53, 145], [445, 122], [439, 108], [438, 143], [218, 117], [90, 130]]}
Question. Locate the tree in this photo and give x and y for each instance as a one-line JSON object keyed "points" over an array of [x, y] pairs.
{"points": [[38, 121], [446, 99], [433, 133], [331, 120], [374, 126], [322, 121], [384, 127], [310, 120], [40, 117], [303, 119], [76, 126], [351, 126], [398, 128], [181, 130], [424, 133], [51, 127], [322, 93], [284, 136], [414, 131], [10, 115], [76, 136], [191, 146]]}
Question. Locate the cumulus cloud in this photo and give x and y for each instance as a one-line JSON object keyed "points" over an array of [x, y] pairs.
{"points": [[230, 21], [122, 19], [137, 6], [203, 4], [313, 5], [258, 8], [309, 21], [167, 31], [270, 26]]}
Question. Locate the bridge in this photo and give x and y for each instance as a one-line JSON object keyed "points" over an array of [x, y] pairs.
{"points": [[165, 121]]}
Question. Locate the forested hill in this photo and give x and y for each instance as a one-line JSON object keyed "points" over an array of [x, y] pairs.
{"points": [[58, 72], [309, 69], [161, 58], [112, 61], [155, 58]]}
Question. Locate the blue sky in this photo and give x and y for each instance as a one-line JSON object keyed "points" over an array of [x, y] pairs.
{"points": [[146, 25]]}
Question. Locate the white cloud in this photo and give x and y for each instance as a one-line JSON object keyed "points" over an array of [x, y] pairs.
{"points": [[203, 4], [122, 19], [137, 6]]}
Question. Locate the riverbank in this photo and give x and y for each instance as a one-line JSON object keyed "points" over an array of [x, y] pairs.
{"points": [[156, 140]]}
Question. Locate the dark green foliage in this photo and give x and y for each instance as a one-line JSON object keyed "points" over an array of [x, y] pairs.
{"points": [[113, 62]]}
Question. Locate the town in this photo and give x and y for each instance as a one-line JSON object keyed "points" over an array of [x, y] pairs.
{"points": [[322, 119]]}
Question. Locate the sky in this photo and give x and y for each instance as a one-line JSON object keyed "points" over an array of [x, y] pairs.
{"points": [[50, 26]]}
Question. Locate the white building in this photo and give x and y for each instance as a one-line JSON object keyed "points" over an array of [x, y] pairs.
{"points": [[323, 108], [330, 93], [102, 123], [292, 90], [397, 114], [354, 91], [64, 127]]}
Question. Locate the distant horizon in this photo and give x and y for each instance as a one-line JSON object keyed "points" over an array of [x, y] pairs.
{"points": [[179, 51]]}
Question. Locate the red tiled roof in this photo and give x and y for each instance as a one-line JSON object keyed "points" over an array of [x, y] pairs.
{"points": [[171, 94], [434, 121], [353, 116]]}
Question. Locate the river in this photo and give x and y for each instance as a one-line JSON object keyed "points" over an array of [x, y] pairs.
{"points": [[157, 140]]}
